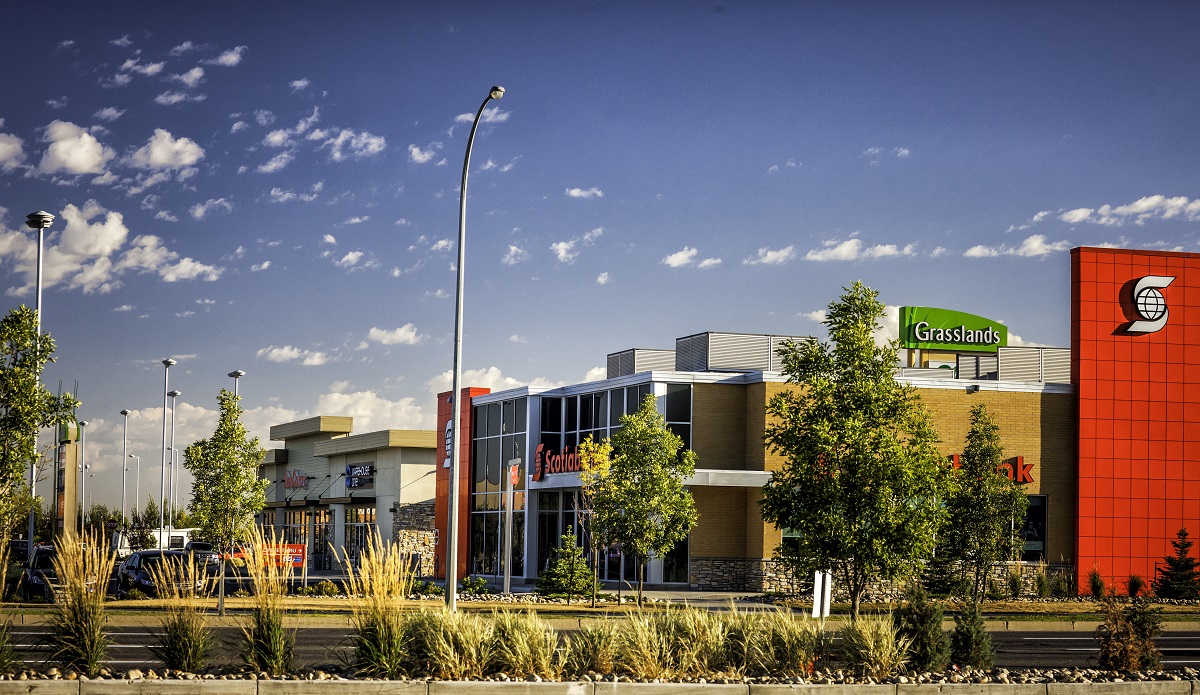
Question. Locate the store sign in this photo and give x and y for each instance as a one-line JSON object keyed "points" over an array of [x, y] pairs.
{"points": [[294, 480], [927, 328], [565, 460], [1149, 304], [1015, 469], [360, 476]]}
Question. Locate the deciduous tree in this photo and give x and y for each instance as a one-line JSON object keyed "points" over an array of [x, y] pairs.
{"points": [[862, 479], [639, 501]]}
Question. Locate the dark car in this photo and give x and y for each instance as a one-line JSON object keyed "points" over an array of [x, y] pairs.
{"points": [[38, 579], [205, 556], [135, 571]]}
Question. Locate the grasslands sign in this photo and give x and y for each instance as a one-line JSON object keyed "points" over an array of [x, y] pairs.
{"points": [[927, 328]]}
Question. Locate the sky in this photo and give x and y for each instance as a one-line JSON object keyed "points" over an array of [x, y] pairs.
{"points": [[274, 187]]}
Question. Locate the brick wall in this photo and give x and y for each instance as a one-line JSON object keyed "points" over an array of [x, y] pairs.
{"points": [[413, 532]]}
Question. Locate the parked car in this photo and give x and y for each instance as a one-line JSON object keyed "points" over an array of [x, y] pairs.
{"points": [[205, 556], [38, 579], [135, 571]]}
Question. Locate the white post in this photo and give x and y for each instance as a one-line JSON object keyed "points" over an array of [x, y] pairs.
{"points": [[822, 592], [162, 482]]}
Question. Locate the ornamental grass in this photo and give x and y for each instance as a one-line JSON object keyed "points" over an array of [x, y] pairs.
{"points": [[379, 587], [873, 646], [77, 639], [186, 638], [269, 646]]}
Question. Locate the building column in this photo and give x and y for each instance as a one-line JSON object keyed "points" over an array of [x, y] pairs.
{"points": [[338, 511]]}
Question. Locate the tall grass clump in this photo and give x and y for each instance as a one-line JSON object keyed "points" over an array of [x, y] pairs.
{"points": [[185, 639], [269, 646], [873, 646], [787, 644], [523, 645], [644, 646], [593, 649], [378, 588], [77, 640], [1096, 584], [8, 655], [1127, 636], [445, 645]]}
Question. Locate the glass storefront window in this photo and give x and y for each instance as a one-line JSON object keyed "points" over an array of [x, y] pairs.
{"points": [[1034, 530]]}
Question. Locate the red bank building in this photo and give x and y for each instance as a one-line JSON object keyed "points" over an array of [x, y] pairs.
{"points": [[1104, 437]]}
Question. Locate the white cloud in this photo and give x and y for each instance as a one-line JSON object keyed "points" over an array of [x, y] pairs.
{"points": [[517, 339], [73, 150], [372, 412], [834, 250], [238, 126], [768, 256], [423, 156], [683, 257], [1032, 247], [299, 84], [902, 152], [188, 269], [12, 152], [818, 316], [109, 113], [442, 245], [229, 58], [191, 78], [404, 335], [283, 137], [589, 237], [264, 117], [124, 307], [887, 250], [348, 143], [602, 278], [709, 263], [163, 151], [564, 251], [60, 103], [200, 210], [183, 48], [280, 195], [123, 42], [172, 98], [63, 45], [165, 216], [490, 377], [185, 314], [490, 115], [276, 163], [350, 259], [773, 168], [1138, 212], [135, 65], [357, 220], [592, 192], [289, 353], [939, 252], [1015, 340], [260, 266], [514, 255], [328, 239], [402, 222], [118, 80], [872, 151]]}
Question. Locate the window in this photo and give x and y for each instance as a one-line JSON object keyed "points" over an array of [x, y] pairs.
{"points": [[1034, 530], [498, 438]]}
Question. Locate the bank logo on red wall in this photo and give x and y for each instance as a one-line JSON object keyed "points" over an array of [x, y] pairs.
{"points": [[1149, 306]]}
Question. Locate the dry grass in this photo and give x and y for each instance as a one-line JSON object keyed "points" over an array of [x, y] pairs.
{"points": [[872, 646], [269, 646], [77, 639], [378, 588], [523, 645], [185, 639]]}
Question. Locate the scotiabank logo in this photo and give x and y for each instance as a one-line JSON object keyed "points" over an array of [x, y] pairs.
{"points": [[1149, 304], [1015, 469], [545, 461]]}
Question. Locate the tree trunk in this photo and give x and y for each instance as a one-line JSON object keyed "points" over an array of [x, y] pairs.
{"points": [[596, 571], [221, 588], [641, 572]]}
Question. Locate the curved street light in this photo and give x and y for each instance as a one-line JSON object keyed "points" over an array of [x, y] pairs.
{"points": [[456, 387]]}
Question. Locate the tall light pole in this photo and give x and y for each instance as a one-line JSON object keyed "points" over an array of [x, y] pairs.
{"points": [[124, 463], [174, 473], [137, 489], [235, 375], [456, 387], [83, 468], [162, 482], [40, 221]]}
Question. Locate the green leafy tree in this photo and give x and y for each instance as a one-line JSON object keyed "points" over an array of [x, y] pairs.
{"points": [[862, 478], [639, 500], [1180, 579], [594, 459], [28, 407], [226, 491], [987, 510]]}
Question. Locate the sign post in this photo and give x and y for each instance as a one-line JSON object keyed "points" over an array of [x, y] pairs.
{"points": [[822, 593], [514, 472]]}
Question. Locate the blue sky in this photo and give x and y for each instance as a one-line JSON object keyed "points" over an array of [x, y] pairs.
{"points": [[274, 187]]}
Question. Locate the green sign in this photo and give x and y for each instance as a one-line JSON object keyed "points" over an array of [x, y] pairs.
{"points": [[927, 328]]}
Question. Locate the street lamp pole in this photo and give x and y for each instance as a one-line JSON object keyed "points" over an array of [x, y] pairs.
{"points": [[235, 375], [162, 482], [40, 221], [456, 387], [137, 489], [83, 467], [174, 466], [124, 466]]}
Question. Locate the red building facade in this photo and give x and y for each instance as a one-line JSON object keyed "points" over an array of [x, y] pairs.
{"points": [[1135, 351], [441, 505]]}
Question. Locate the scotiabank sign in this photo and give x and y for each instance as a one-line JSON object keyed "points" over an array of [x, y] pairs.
{"points": [[545, 461], [1015, 469]]}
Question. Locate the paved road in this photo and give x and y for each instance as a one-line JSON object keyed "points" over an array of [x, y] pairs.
{"points": [[320, 646]]}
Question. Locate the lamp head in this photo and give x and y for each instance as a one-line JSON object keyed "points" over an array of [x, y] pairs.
{"points": [[236, 374], [168, 363], [42, 219], [175, 394], [83, 423], [497, 92], [125, 413]]}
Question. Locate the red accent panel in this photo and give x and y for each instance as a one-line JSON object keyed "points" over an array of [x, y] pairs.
{"points": [[1139, 410], [441, 504]]}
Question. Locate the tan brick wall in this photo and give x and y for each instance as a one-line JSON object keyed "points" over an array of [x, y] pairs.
{"points": [[719, 426], [722, 528]]}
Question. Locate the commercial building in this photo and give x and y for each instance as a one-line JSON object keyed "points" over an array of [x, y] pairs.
{"points": [[330, 489]]}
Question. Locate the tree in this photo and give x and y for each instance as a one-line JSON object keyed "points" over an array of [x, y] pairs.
{"points": [[639, 501], [594, 459], [568, 572], [1180, 578], [987, 510], [862, 478], [226, 490], [26, 407]]}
